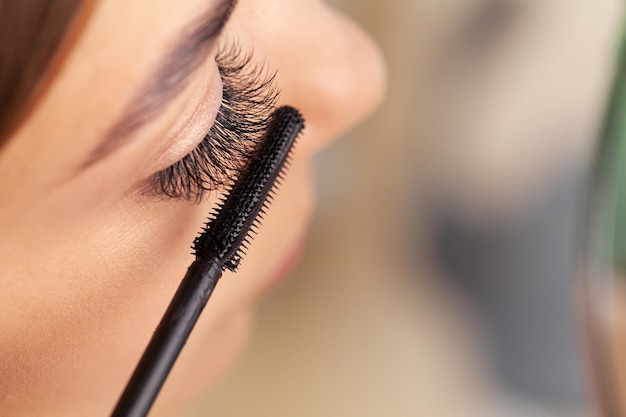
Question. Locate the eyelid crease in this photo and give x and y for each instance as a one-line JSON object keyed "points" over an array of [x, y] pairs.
{"points": [[170, 77], [193, 118]]}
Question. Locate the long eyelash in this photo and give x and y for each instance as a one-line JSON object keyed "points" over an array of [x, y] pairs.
{"points": [[249, 97]]}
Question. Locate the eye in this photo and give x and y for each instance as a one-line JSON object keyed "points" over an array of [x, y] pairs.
{"points": [[248, 99]]}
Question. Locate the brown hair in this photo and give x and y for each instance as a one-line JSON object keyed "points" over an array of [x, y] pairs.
{"points": [[31, 33]]}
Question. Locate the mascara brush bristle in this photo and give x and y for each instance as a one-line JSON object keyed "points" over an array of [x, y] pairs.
{"points": [[226, 235]]}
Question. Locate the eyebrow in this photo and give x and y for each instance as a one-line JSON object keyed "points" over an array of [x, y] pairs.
{"points": [[167, 80]]}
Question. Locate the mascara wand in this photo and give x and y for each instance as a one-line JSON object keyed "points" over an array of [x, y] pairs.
{"points": [[220, 246]]}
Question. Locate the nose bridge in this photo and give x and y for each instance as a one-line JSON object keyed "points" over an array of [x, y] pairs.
{"points": [[330, 69]]}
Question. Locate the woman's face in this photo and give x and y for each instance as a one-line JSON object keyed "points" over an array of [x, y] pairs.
{"points": [[89, 262]]}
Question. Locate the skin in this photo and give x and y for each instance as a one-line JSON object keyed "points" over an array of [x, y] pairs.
{"points": [[88, 264]]}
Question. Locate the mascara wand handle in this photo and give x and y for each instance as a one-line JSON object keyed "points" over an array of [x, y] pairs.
{"points": [[168, 339]]}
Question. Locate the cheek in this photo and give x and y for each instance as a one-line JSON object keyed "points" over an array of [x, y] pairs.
{"points": [[82, 293], [76, 317], [80, 301]]}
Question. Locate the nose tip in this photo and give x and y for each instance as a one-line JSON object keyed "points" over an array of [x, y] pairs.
{"points": [[343, 80]]}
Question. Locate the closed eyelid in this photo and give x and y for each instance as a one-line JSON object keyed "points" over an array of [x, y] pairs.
{"points": [[169, 78], [249, 97]]}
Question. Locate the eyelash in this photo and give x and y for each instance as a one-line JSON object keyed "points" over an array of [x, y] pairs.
{"points": [[249, 97]]}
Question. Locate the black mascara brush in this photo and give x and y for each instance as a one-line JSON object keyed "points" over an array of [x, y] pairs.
{"points": [[220, 246]]}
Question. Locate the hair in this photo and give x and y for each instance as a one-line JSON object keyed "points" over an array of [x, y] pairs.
{"points": [[31, 34]]}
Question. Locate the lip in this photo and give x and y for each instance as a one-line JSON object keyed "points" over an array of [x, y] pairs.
{"points": [[286, 264]]}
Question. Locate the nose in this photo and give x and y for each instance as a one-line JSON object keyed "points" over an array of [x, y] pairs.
{"points": [[327, 66]]}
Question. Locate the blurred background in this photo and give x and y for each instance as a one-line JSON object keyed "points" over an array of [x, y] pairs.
{"points": [[438, 275]]}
